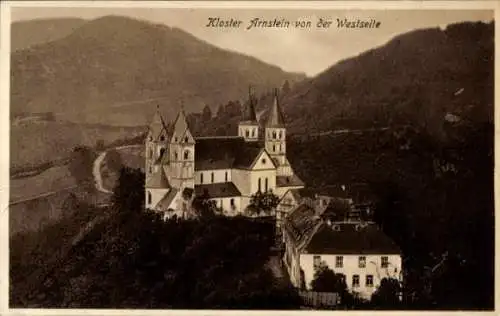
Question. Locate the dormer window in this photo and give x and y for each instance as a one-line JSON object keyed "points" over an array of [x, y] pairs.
{"points": [[263, 161], [162, 138], [176, 139], [186, 139]]}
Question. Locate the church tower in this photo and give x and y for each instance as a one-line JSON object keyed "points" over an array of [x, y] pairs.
{"points": [[181, 151], [156, 142], [275, 137], [248, 127], [156, 145]]}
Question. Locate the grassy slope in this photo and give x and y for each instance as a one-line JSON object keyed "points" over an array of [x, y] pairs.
{"points": [[115, 60], [413, 79], [25, 34]]}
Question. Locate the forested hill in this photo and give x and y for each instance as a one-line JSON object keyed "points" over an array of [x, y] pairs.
{"points": [[115, 70], [416, 78], [28, 33]]}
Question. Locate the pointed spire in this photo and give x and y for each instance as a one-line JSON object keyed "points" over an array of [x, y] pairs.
{"points": [[275, 118], [157, 124], [249, 115], [180, 123]]}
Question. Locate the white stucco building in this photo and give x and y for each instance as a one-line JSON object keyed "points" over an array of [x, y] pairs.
{"points": [[228, 170], [359, 251]]}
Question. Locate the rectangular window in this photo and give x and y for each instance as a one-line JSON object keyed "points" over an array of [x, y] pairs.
{"points": [[385, 261], [212, 177], [232, 202], [339, 262], [369, 281], [355, 280], [201, 178], [226, 176], [361, 262], [316, 261]]}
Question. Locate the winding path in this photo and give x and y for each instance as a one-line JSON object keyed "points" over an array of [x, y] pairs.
{"points": [[96, 169]]}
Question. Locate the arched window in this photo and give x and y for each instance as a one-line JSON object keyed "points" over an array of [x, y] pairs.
{"points": [[231, 202], [212, 177], [149, 197], [266, 186], [162, 151], [201, 178], [226, 176], [280, 147], [274, 134], [150, 153], [186, 154], [259, 185], [247, 133], [176, 155], [253, 132], [186, 139], [150, 169], [274, 148], [281, 135]]}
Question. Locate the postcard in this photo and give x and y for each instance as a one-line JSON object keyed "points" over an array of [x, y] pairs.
{"points": [[252, 156]]}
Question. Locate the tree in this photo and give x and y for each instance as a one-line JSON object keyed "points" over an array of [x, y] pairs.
{"points": [[114, 160], [286, 87], [326, 280], [206, 114], [81, 163], [128, 194], [204, 206], [263, 202], [387, 295]]}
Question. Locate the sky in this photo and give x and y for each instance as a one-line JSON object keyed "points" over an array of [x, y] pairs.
{"points": [[308, 51]]}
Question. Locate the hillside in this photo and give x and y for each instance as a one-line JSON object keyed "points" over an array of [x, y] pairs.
{"points": [[416, 78], [115, 70], [25, 34]]}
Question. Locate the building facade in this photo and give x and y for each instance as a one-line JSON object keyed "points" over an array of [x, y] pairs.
{"points": [[228, 170], [359, 251]]}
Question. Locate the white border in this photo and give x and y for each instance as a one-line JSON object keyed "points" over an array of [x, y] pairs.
{"points": [[315, 5]]}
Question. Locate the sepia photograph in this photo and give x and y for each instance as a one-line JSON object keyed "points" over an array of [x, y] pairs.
{"points": [[225, 156]]}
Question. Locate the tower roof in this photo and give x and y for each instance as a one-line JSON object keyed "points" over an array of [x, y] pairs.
{"points": [[249, 115], [158, 180], [180, 123], [275, 118], [157, 125]]}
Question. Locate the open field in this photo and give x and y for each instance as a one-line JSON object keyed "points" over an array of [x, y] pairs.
{"points": [[39, 142]]}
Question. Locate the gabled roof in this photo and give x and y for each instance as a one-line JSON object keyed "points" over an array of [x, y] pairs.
{"points": [[167, 200], [214, 153], [158, 180], [351, 238], [275, 117], [289, 181], [217, 190], [180, 125], [301, 223], [248, 116]]}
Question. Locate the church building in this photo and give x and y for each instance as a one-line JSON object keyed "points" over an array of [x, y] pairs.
{"points": [[228, 169]]}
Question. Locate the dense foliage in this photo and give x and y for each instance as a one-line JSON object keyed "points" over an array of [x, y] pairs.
{"points": [[417, 78], [263, 202], [435, 199], [136, 260]]}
